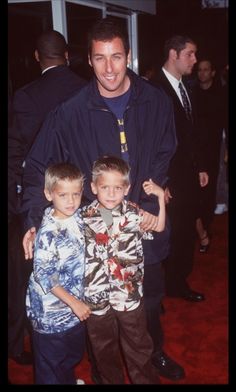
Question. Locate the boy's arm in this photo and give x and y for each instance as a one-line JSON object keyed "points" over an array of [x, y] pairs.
{"points": [[158, 222], [81, 310]]}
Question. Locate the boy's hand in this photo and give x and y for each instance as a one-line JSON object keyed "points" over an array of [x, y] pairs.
{"points": [[81, 310], [151, 188]]}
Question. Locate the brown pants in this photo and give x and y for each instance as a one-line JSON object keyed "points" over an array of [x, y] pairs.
{"points": [[129, 330]]}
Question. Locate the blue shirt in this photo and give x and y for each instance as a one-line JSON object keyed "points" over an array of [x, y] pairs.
{"points": [[59, 260]]}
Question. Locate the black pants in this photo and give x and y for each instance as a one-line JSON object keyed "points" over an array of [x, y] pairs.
{"points": [[154, 290], [179, 263], [19, 271], [56, 355]]}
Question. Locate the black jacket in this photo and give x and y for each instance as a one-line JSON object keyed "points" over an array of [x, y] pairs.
{"points": [[30, 106], [83, 128]]}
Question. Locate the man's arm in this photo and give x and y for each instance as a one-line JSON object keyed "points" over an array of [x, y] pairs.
{"points": [[28, 243], [48, 148]]}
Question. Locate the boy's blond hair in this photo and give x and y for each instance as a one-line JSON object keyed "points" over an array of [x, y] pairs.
{"points": [[109, 163], [61, 171]]}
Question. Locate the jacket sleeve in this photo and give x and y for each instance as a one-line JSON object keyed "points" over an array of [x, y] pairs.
{"points": [[24, 123], [48, 148], [27, 120], [162, 150]]}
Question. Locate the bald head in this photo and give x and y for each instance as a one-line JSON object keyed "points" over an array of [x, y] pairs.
{"points": [[51, 49]]}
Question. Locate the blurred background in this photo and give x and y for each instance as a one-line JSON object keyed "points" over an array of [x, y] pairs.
{"points": [[149, 23]]}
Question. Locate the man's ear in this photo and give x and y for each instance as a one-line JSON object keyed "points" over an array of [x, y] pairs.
{"points": [[129, 58], [94, 188], [173, 54], [36, 55], [47, 195], [89, 60], [127, 190]]}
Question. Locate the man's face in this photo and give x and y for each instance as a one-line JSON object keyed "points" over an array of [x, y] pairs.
{"points": [[204, 72], [186, 59], [109, 62]]}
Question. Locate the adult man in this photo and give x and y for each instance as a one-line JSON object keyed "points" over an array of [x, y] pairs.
{"points": [[186, 169], [210, 110], [30, 106], [120, 114]]}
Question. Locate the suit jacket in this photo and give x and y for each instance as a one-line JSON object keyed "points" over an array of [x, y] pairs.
{"points": [[188, 160], [30, 106]]}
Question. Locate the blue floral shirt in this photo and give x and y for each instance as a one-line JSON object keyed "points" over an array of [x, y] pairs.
{"points": [[59, 260]]}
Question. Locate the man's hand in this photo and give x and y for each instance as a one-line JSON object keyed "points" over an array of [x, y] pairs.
{"points": [[28, 242], [203, 179]]}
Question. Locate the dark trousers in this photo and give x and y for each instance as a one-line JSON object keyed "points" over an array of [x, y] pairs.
{"points": [[57, 354], [154, 290], [179, 263], [18, 275], [207, 199], [128, 330]]}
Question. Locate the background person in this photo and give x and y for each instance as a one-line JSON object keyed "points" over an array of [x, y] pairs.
{"points": [[186, 171]]}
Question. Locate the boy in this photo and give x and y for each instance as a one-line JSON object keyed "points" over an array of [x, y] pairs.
{"points": [[54, 301], [114, 274]]}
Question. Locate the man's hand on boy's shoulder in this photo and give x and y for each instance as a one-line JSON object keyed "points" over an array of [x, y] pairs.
{"points": [[28, 243]]}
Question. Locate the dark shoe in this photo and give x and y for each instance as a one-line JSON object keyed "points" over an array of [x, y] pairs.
{"points": [[193, 296], [24, 358], [167, 367], [204, 244]]}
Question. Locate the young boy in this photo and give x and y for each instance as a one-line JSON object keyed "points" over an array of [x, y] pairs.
{"points": [[54, 301], [114, 275]]}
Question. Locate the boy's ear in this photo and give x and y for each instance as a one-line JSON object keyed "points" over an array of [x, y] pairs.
{"points": [[94, 188], [47, 195]]}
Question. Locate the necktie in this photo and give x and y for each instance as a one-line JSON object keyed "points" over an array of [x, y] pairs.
{"points": [[185, 100]]}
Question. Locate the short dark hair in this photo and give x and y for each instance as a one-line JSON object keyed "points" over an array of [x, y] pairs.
{"points": [[111, 163], [106, 29], [51, 45], [176, 42]]}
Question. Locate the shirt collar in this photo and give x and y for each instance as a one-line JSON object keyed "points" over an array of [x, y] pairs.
{"points": [[46, 69]]}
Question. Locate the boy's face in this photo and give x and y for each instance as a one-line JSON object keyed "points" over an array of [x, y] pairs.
{"points": [[110, 189], [109, 62], [66, 197]]}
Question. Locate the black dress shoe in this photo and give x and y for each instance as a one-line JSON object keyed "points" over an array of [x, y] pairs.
{"points": [[25, 358], [193, 296], [167, 367]]}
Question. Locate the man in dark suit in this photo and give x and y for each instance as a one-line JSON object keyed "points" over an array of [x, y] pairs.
{"points": [[29, 107], [186, 171]]}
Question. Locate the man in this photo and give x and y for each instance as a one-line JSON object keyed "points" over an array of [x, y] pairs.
{"points": [[210, 110], [29, 108], [118, 113], [186, 170]]}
